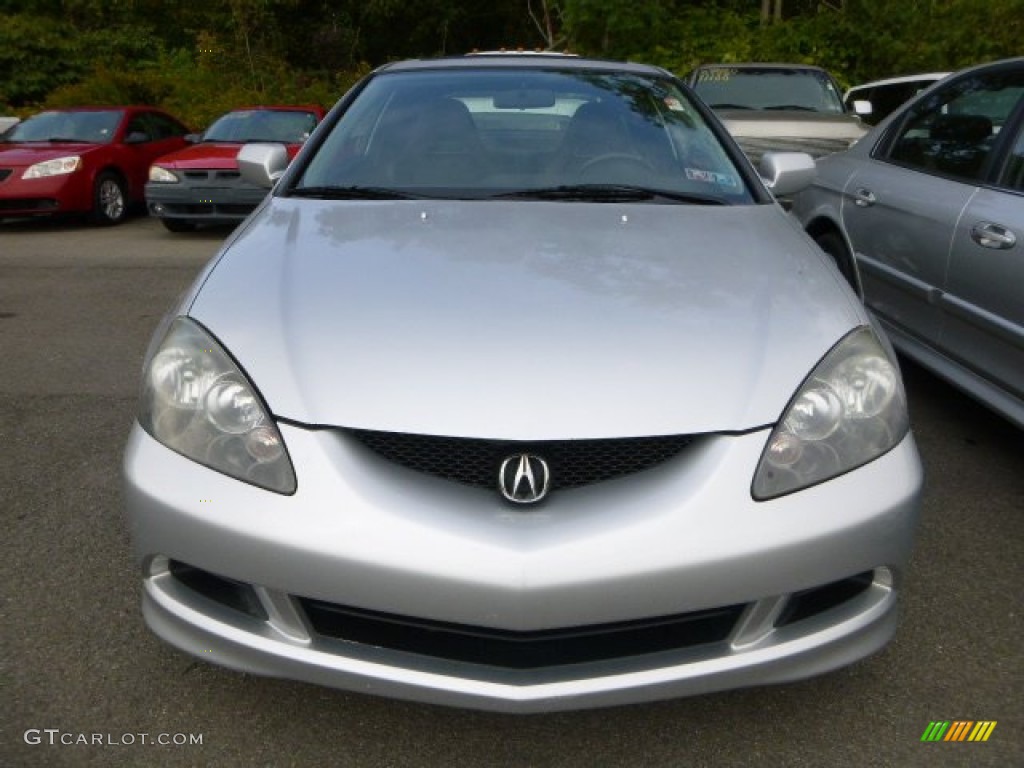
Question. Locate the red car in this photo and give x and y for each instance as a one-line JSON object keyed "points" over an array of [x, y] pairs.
{"points": [[201, 183], [84, 160]]}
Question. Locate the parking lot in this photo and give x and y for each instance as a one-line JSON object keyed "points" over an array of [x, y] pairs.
{"points": [[77, 306]]}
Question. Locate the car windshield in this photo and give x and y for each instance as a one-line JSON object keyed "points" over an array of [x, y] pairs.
{"points": [[806, 90], [287, 126], [574, 135], [93, 127]]}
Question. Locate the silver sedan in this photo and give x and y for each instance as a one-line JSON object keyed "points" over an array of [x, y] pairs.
{"points": [[521, 392], [931, 205]]}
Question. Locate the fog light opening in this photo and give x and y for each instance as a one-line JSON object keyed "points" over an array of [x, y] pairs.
{"points": [[811, 602]]}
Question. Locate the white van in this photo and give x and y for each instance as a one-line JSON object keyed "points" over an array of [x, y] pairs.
{"points": [[874, 101]]}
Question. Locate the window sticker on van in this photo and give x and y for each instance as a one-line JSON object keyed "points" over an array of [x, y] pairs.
{"points": [[719, 75]]}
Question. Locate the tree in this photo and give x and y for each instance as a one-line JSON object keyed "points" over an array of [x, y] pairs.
{"points": [[771, 10], [548, 21], [199, 56]]}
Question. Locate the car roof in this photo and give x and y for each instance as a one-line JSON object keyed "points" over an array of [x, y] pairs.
{"points": [[106, 108], [128, 111], [1010, 63], [928, 76], [533, 60], [759, 65], [279, 108]]}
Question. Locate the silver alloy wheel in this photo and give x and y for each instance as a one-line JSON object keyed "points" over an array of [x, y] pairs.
{"points": [[110, 200]]}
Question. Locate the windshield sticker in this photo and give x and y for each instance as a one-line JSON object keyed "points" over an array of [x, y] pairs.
{"points": [[674, 104], [711, 177], [719, 75]]}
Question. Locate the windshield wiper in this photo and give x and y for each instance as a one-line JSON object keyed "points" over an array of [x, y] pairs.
{"points": [[608, 193], [792, 107], [66, 140], [351, 193], [729, 106]]}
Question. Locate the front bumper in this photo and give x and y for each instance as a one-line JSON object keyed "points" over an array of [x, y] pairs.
{"points": [[409, 550], [211, 196], [65, 193]]}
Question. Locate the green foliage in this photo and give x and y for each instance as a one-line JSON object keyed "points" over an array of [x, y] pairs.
{"points": [[198, 88], [867, 40], [615, 28], [199, 59], [705, 34], [36, 55], [40, 55]]}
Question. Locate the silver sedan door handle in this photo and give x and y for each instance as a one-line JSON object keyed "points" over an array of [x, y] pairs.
{"points": [[989, 235], [864, 198]]}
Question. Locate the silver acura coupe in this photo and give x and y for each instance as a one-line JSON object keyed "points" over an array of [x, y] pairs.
{"points": [[520, 392]]}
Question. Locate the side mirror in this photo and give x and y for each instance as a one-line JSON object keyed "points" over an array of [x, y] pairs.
{"points": [[862, 107], [193, 138], [786, 173], [136, 137], [262, 164]]}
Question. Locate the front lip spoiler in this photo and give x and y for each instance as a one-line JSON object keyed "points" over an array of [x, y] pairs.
{"points": [[791, 653]]}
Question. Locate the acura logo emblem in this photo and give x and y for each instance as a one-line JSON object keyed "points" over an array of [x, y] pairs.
{"points": [[524, 478]]}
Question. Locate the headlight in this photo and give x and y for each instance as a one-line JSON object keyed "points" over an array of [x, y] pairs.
{"points": [[162, 175], [56, 167], [196, 401], [850, 410]]}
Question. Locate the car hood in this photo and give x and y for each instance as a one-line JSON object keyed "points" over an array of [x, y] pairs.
{"points": [[524, 320], [21, 155], [788, 123], [212, 155], [215, 155]]}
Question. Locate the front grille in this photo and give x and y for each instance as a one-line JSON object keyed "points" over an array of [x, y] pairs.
{"points": [[225, 210], [510, 649], [28, 204], [476, 462], [216, 176], [520, 650]]}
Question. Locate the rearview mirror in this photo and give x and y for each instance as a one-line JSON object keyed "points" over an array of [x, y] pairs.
{"points": [[525, 99], [786, 173], [262, 164]]}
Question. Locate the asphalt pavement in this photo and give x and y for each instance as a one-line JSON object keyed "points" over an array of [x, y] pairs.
{"points": [[84, 683]]}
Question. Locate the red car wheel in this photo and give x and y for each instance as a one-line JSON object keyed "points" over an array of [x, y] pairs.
{"points": [[110, 200]]}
